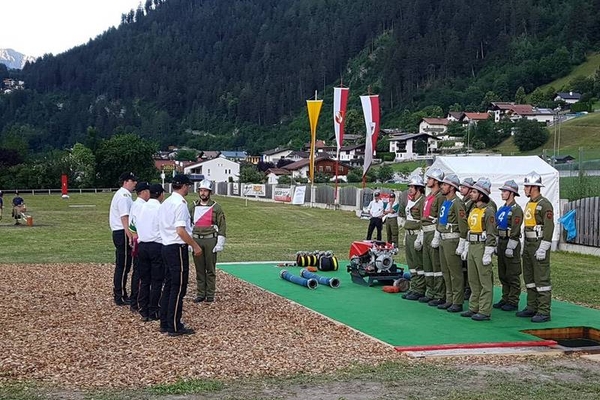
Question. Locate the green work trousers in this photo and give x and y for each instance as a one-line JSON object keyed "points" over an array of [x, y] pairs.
{"points": [[536, 275], [509, 272], [481, 280], [391, 230], [452, 271], [414, 259], [433, 271], [206, 274]]}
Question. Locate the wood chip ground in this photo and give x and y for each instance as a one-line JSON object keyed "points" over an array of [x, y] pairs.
{"points": [[59, 325]]}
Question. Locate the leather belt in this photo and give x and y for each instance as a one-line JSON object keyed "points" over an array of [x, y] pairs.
{"points": [[450, 235], [209, 236], [428, 228], [412, 231], [533, 235]]}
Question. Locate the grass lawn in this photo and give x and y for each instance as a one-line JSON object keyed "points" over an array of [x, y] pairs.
{"points": [[588, 68], [76, 230], [581, 132]]}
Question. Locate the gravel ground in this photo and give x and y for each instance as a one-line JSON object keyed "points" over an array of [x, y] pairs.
{"points": [[60, 326]]}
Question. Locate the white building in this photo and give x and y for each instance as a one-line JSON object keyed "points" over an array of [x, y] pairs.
{"points": [[434, 126], [403, 145], [218, 169], [275, 155]]}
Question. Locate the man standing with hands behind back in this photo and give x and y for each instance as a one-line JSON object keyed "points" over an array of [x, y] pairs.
{"points": [[209, 232], [120, 207], [175, 232]]}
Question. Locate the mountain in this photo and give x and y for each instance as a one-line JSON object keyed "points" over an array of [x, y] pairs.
{"points": [[215, 74], [13, 59]]}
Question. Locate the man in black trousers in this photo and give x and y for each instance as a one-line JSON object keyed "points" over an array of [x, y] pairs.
{"points": [[176, 235]]}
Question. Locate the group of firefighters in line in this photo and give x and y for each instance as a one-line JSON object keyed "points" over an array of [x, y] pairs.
{"points": [[450, 243]]}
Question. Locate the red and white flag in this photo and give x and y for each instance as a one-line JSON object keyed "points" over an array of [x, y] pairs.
{"points": [[203, 216], [340, 100], [370, 106]]}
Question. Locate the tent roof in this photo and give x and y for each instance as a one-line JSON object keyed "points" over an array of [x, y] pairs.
{"points": [[480, 165]]}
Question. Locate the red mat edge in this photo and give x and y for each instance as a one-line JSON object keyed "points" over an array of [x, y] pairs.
{"points": [[476, 345]]}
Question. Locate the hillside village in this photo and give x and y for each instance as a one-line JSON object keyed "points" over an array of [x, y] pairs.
{"points": [[222, 166]]}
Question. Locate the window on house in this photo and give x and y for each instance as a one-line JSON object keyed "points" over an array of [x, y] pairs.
{"points": [[328, 168]]}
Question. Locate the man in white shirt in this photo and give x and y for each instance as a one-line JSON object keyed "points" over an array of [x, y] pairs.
{"points": [[143, 194], [150, 263], [176, 234], [120, 207], [375, 210]]}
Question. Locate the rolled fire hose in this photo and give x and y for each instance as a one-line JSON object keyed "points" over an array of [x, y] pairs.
{"points": [[309, 283], [331, 282]]}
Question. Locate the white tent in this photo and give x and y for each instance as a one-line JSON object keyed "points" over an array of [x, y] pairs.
{"points": [[501, 169]]}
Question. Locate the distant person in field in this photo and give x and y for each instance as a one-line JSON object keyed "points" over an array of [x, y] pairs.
{"points": [[391, 219], [18, 208], [1, 203], [375, 210]]}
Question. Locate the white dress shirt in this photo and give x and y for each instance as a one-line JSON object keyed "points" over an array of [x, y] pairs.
{"points": [[134, 212], [376, 208], [173, 213], [147, 222], [120, 206]]}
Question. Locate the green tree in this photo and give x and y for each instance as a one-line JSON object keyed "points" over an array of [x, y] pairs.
{"points": [[529, 135], [250, 174], [284, 180], [538, 96], [122, 153], [82, 166], [186, 155], [385, 173], [520, 96]]}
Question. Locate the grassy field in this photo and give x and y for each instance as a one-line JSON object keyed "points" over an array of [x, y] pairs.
{"points": [[588, 68], [581, 132], [76, 230]]}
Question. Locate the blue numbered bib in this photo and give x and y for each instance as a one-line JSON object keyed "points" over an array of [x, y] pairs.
{"points": [[445, 211], [502, 217]]}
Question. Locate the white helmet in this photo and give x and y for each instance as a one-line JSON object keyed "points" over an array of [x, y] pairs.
{"points": [[416, 180], [435, 173], [483, 185], [533, 179], [205, 184]]}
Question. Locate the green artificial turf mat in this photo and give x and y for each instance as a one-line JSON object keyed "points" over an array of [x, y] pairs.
{"points": [[400, 322]]}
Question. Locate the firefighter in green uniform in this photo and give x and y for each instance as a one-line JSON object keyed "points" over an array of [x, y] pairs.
{"points": [[539, 227], [509, 218], [209, 231], [452, 225], [465, 191], [479, 250], [390, 213], [435, 292], [413, 237]]}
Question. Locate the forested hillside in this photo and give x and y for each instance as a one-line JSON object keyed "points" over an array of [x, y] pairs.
{"points": [[217, 74]]}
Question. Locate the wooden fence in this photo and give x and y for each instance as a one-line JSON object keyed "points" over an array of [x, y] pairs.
{"points": [[587, 221]]}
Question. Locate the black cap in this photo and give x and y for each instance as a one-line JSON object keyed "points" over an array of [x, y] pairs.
{"points": [[141, 186], [126, 176], [181, 179], [156, 189]]}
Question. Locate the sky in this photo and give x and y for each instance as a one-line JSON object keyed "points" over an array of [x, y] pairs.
{"points": [[38, 27]]}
